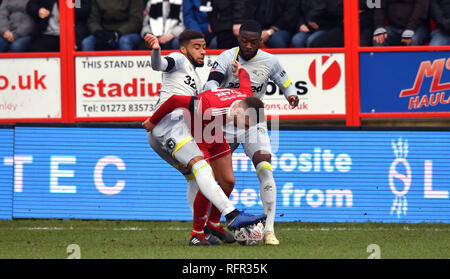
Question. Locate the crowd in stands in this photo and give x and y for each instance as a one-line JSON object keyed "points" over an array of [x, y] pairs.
{"points": [[33, 25]]}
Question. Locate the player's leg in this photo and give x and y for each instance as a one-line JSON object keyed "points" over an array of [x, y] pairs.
{"points": [[213, 192], [170, 132], [257, 147], [223, 171], [268, 192], [170, 136]]}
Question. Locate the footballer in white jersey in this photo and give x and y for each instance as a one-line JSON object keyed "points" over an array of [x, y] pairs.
{"points": [[262, 67], [172, 139], [179, 78]]}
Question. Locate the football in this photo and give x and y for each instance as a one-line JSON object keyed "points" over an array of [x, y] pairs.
{"points": [[250, 235]]}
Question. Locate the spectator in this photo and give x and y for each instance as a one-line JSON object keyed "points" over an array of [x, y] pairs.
{"points": [[407, 23], [331, 22], [365, 23], [82, 13], [164, 20], [45, 13], [277, 19], [334, 36], [309, 14], [225, 18], [114, 24], [16, 26], [195, 19], [440, 13]]}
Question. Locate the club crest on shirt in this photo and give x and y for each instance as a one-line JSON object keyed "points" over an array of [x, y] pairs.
{"points": [[170, 143]]}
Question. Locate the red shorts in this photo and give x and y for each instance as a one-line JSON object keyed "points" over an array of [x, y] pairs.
{"points": [[214, 151]]}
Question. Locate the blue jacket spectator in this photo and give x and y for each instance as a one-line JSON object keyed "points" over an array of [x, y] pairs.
{"points": [[440, 13], [16, 26], [195, 19]]}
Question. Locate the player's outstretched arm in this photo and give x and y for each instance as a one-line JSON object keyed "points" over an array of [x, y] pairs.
{"points": [[281, 79], [174, 102], [244, 78], [152, 43]]}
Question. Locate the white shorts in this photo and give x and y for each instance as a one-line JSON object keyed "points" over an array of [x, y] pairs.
{"points": [[256, 138], [171, 139]]}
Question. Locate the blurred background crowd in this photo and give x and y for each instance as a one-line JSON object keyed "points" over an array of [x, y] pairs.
{"points": [[33, 25]]}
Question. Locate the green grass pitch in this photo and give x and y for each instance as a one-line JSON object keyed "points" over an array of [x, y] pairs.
{"points": [[50, 239]]}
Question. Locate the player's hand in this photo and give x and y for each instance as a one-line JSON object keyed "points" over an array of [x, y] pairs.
{"points": [[236, 67], [43, 13], [293, 101], [148, 125], [151, 42]]}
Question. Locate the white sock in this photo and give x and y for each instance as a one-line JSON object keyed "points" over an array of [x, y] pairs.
{"points": [[210, 189], [268, 192], [192, 191]]}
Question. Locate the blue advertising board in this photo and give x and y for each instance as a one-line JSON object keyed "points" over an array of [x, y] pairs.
{"points": [[6, 172], [394, 82], [322, 176]]}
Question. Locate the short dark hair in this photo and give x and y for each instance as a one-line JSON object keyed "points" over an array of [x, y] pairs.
{"points": [[258, 106], [251, 26], [188, 35]]}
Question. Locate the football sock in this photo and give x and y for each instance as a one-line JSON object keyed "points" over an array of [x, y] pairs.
{"points": [[214, 214], [209, 187], [268, 192], [191, 193], [201, 206]]}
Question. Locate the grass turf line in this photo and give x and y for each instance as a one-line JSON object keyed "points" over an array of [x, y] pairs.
{"points": [[32, 239]]}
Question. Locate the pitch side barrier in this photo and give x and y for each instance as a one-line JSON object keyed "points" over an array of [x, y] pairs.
{"points": [[352, 174], [350, 83]]}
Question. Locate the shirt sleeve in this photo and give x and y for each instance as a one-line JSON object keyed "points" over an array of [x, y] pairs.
{"points": [[174, 102], [244, 83], [170, 63], [281, 79], [219, 71]]}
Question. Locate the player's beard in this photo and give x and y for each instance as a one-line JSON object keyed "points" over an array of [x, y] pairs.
{"points": [[193, 61], [249, 56]]}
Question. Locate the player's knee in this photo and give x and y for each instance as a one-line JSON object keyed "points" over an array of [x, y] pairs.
{"points": [[193, 161], [227, 183], [261, 156]]}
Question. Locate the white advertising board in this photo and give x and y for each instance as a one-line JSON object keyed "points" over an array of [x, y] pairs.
{"points": [[126, 86], [30, 88]]}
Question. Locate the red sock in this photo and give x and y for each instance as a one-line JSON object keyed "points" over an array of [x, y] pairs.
{"points": [[201, 206], [214, 214]]}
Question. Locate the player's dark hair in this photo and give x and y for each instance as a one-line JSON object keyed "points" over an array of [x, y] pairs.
{"points": [[258, 106], [251, 26], [188, 35]]}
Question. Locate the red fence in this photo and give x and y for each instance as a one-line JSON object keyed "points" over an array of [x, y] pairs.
{"points": [[352, 52]]}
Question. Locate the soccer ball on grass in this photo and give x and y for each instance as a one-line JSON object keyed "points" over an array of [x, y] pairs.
{"points": [[250, 235]]}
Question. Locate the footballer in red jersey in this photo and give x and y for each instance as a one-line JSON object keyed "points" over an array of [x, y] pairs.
{"points": [[209, 112]]}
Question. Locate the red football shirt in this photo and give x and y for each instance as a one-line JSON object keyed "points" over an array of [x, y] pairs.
{"points": [[208, 105], [208, 112]]}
